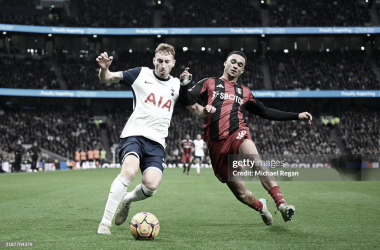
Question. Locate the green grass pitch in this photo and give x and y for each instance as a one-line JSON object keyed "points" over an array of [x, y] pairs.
{"points": [[62, 210]]}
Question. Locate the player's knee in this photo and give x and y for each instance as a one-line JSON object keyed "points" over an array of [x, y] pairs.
{"points": [[149, 189]]}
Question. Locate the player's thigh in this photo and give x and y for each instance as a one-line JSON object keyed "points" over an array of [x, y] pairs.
{"points": [[130, 154], [248, 147], [152, 169], [130, 166], [152, 178]]}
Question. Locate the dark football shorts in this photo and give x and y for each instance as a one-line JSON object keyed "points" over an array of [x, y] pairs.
{"points": [[150, 153]]}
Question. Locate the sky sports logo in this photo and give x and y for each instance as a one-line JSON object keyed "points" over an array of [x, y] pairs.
{"points": [[225, 96]]}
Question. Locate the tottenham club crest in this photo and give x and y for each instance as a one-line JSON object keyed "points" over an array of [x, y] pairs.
{"points": [[172, 91], [238, 90]]}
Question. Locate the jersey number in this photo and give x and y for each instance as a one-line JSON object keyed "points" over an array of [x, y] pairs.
{"points": [[152, 98]]}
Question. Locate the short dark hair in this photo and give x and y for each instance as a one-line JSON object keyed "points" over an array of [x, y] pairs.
{"points": [[240, 54]]}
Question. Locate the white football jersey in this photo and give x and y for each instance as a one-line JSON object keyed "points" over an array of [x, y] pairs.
{"points": [[153, 104], [198, 145]]}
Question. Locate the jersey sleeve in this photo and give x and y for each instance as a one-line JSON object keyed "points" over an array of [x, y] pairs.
{"points": [[188, 97], [256, 107], [129, 76]]}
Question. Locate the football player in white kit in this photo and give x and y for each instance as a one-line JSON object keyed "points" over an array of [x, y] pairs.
{"points": [[142, 140], [199, 146]]}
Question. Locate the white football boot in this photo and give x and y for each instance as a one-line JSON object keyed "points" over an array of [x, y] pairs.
{"points": [[104, 229], [265, 215], [287, 211], [122, 214]]}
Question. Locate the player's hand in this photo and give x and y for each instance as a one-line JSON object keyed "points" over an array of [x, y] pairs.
{"points": [[305, 116], [104, 61], [185, 77], [209, 110]]}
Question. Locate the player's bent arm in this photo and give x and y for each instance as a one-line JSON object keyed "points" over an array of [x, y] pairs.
{"points": [[107, 76], [259, 109], [200, 111]]}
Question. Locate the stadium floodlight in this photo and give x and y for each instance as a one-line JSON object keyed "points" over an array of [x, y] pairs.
{"points": [[4, 32], [203, 48], [286, 51], [158, 36], [49, 35], [209, 49], [327, 50], [362, 47], [262, 35], [130, 50], [185, 49], [254, 50], [94, 36], [242, 49], [219, 50], [159, 2]]}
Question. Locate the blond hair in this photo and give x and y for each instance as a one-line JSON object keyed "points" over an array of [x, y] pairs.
{"points": [[165, 48]]}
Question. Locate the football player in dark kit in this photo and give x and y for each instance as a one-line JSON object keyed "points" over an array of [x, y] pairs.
{"points": [[226, 132], [187, 147]]}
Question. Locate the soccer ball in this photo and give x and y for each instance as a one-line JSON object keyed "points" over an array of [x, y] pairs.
{"points": [[144, 226]]}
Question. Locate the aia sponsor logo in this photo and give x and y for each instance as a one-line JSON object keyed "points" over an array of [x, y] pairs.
{"points": [[225, 96], [152, 99]]}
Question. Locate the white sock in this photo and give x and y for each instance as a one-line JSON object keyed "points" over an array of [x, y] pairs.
{"points": [[118, 188], [198, 167], [138, 194]]}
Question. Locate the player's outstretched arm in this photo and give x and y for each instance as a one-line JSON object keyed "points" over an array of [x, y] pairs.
{"points": [[256, 107], [105, 75], [200, 111]]}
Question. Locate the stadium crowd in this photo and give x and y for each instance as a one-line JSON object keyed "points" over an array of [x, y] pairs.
{"points": [[212, 13], [55, 130], [359, 131], [196, 13], [318, 13], [79, 14], [27, 73], [295, 70], [307, 70], [110, 13]]}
